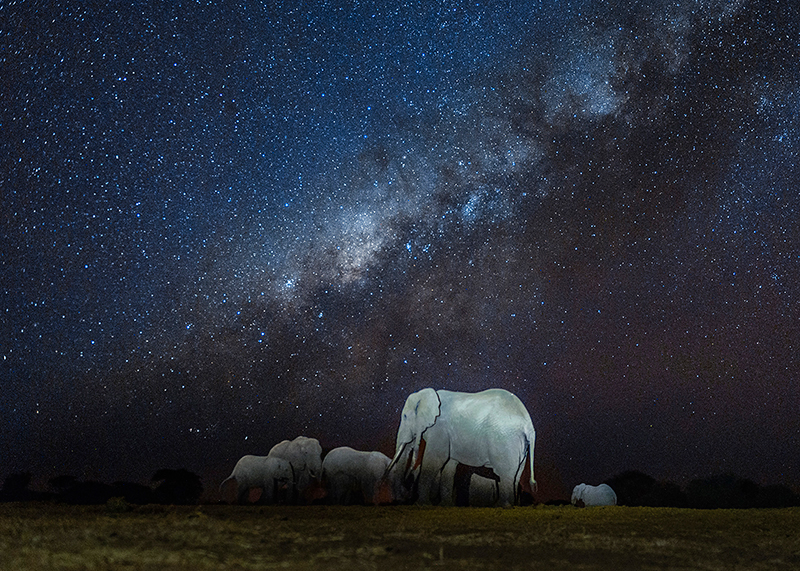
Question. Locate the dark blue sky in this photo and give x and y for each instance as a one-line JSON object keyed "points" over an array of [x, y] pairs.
{"points": [[223, 226]]}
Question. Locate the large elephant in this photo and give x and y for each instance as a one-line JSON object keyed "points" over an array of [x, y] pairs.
{"points": [[584, 495], [305, 456], [490, 429], [273, 475], [353, 476]]}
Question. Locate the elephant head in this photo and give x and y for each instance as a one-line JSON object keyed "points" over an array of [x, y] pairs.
{"points": [[419, 413], [305, 456]]}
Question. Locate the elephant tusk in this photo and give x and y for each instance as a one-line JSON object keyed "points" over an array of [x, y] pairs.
{"points": [[397, 457]]}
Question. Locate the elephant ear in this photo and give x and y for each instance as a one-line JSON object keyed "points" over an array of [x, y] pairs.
{"points": [[426, 409], [423, 409]]}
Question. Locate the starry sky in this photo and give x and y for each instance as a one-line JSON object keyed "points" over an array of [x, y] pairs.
{"points": [[224, 224]]}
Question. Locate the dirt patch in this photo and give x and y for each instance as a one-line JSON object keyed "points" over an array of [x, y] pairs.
{"points": [[45, 536]]}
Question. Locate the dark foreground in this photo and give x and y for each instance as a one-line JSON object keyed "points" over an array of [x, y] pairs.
{"points": [[118, 536]]}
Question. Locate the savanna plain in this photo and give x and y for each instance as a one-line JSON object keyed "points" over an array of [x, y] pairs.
{"points": [[42, 536]]}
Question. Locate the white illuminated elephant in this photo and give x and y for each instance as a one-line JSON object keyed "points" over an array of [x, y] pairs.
{"points": [[353, 476], [490, 430], [584, 495], [305, 456], [272, 475]]}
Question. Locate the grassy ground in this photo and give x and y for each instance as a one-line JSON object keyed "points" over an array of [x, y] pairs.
{"points": [[117, 536]]}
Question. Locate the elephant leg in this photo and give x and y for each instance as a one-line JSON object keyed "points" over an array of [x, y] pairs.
{"points": [[243, 494], [506, 488], [447, 483], [506, 493], [430, 484], [268, 492], [424, 485], [336, 491], [507, 466], [434, 460], [282, 491], [436, 487], [367, 491]]}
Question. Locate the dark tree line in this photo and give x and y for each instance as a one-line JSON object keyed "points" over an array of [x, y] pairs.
{"points": [[633, 488], [723, 491], [171, 487]]}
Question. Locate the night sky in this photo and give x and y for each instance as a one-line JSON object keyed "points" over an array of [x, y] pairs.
{"points": [[226, 224]]}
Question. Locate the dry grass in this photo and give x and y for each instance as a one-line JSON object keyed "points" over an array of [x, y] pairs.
{"points": [[116, 536]]}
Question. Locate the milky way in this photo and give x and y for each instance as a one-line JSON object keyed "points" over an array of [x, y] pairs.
{"points": [[223, 227]]}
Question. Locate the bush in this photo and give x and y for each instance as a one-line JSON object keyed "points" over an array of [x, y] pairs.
{"points": [[635, 488], [179, 487], [729, 491]]}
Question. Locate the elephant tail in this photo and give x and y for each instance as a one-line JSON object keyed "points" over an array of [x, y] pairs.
{"points": [[531, 436]]}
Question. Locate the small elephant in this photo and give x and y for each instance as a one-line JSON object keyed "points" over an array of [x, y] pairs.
{"points": [[585, 495], [490, 429], [273, 476], [305, 456], [353, 476]]}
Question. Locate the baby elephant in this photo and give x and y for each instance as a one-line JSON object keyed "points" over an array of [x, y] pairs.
{"points": [[585, 495], [273, 475], [352, 476]]}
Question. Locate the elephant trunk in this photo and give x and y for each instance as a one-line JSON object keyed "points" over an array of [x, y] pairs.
{"points": [[399, 474], [225, 481], [395, 460]]}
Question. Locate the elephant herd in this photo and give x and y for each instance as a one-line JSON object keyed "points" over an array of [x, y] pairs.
{"points": [[452, 447]]}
